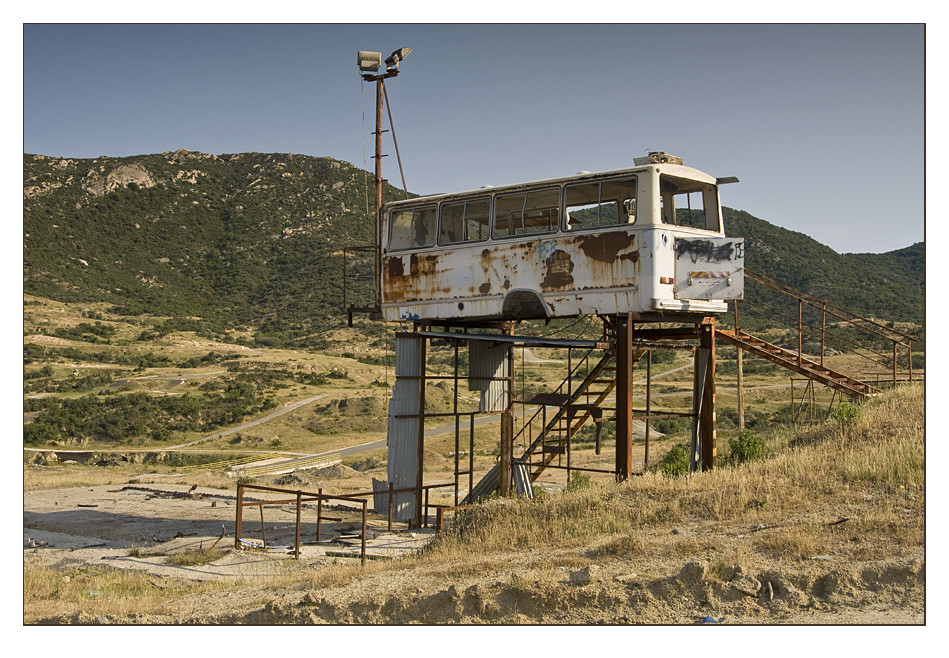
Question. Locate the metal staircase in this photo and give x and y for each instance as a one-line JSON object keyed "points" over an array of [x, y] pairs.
{"points": [[798, 363], [573, 408], [573, 411]]}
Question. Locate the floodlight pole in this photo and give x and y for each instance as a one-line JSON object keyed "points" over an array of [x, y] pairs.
{"points": [[377, 267]]}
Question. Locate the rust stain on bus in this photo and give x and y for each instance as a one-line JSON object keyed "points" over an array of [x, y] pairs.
{"points": [[559, 272], [394, 267], [606, 246]]}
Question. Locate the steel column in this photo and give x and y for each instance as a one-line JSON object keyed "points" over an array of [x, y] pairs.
{"points": [[507, 431], [624, 396], [648, 407], [707, 416]]}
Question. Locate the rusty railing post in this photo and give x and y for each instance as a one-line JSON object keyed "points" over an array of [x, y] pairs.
{"points": [[909, 347], [299, 507], [800, 331], [894, 362], [319, 513], [238, 522], [425, 517], [364, 503], [823, 330]]}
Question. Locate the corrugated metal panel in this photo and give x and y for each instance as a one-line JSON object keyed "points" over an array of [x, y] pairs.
{"points": [[522, 480], [487, 364], [486, 486], [380, 501], [402, 435]]}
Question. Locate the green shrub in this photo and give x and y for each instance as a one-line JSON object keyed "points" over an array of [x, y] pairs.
{"points": [[746, 447], [579, 481], [846, 413], [676, 461]]}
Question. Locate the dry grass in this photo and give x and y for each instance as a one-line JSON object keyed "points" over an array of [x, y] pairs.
{"points": [[870, 472], [854, 491], [52, 592]]}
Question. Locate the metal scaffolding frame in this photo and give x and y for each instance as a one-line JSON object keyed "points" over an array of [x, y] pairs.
{"points": [[559, 415]]}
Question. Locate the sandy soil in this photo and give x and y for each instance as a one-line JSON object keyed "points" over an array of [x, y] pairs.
{"points": [[140, 526]]}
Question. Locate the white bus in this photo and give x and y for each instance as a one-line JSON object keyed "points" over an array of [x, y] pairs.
{"points": [[646, 240]]}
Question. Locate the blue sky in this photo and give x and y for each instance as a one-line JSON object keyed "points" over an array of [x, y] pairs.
{"points": [[823, 124]]}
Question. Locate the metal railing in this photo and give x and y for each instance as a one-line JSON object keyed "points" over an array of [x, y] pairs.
{"points": [[319, 461], [226, 463], [843, 316], [300, 497]]}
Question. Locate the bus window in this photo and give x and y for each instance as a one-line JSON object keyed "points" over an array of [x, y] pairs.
{"points": [[412, 227], [607, 203], [464, 221], [688, 203], [527, 213]]}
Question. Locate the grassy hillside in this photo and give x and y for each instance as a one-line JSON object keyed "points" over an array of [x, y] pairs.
{"points": [[235, 239], [888, 286]]}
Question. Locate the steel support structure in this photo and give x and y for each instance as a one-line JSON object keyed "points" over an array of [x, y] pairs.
{"points": [[626, 339], [624, 396], [707, 416]]}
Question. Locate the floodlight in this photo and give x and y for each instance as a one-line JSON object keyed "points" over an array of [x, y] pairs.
{"points": [[369, 61], [392, 61]]}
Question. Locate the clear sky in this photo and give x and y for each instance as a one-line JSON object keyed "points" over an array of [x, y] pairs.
{"points": [[823, 124]]}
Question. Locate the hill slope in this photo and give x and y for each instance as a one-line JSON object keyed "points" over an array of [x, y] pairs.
{"points": [[888, 285], [246, 238], [256, 239]]}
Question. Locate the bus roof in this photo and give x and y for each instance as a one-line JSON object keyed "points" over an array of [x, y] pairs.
{"points": [[671, 169]]}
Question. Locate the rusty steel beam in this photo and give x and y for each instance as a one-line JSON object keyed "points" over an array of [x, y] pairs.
{"points": [[624, 397], [707, 416]]}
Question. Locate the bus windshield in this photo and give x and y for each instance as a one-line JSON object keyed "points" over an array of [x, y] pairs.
{"points": [[685, 202]]}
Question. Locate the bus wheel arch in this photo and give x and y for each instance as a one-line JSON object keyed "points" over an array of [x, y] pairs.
{"points": [[525, 304]]}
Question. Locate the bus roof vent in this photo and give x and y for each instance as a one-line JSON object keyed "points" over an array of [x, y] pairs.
{"points": [[583, 172], [657, 157]]}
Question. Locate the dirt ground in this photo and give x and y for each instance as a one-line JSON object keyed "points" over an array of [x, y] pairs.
{"points": [[105, 524], [138, 526]]}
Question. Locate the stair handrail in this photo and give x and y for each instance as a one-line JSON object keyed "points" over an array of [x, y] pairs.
{"points": [[836, 311], [580, 390], [569, 376], [819, 303]]}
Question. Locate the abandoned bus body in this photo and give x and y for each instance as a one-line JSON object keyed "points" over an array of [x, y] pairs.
{"points": [[647, 240]]}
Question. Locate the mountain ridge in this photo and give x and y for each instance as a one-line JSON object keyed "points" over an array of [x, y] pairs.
{"points": [[256, 239]]}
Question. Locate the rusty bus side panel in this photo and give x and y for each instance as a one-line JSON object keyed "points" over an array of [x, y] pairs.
{"points": [[476, 280]]}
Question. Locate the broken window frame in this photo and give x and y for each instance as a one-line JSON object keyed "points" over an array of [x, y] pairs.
{"points": [[469, 218], [524, 222], [622, 206], [423, 220]]}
